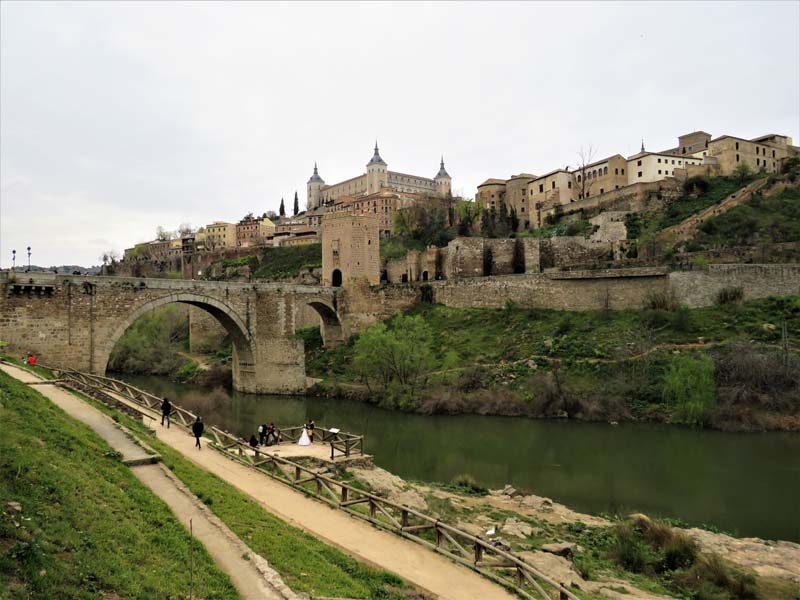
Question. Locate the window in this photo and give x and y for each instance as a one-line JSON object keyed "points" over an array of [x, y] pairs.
{"points": [[679, 162], [737, 158], [579, 178], [522, 209], [605, 170], [616, 171], [640, 173], [569, 185], [601, 190], [541, 188], [639, 164], [552, 185], [622, 171], [659, 171], [673, 161], [659, 160], [773, 154], [737, 145], [758, 161], [684, 149]]}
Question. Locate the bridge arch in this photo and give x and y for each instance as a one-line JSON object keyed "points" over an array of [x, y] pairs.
{"points": [[331, 324], [243, 350]]}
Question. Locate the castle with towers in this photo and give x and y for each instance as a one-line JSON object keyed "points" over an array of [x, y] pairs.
{"points": [[378, 178]]}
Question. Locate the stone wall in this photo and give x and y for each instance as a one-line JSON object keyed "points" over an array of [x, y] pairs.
{"points": [[564, 291], [700, 287], [617, 288]]}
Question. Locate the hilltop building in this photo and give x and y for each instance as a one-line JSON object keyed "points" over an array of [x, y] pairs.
{"points": [[528, 194], [376, 179]]}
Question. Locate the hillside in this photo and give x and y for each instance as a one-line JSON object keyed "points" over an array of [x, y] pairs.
{"points": [[593, 365]]}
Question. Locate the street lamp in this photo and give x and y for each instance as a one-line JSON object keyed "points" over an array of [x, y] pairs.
{"points": [[13, 260], [29, 258]]}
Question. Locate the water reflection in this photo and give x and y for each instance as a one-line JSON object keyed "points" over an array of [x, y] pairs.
{"points": [[748, 484]]}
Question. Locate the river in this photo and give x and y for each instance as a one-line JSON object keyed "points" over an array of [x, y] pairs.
{"points": [[745, 484]]}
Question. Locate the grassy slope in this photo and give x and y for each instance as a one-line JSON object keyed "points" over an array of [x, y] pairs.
{"points": [[289, 261], [305, 563], [617, 356], [88, 528]]}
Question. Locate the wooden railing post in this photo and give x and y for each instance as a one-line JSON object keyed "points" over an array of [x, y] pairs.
{"points": [[372, 508], [478, 553], [344, 494], [439, 537], [404, 518], [296, 473]]}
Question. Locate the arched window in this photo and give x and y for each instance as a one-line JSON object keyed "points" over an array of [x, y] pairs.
{"points": [[605, 170]]}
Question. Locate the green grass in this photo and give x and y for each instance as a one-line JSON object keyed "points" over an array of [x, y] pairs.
{"points": [[287, 261], [395, 247], [88, 528], [305, 563]]}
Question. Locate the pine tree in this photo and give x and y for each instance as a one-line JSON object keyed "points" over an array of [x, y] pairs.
{"points": [[296, 203], [282, 210]]}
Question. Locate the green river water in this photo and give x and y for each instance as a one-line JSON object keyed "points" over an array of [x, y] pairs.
{"points": [[746, 484]]}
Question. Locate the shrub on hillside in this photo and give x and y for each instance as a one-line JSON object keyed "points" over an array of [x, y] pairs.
{"points": [[661, 300], [730, 295], [466, 483]]}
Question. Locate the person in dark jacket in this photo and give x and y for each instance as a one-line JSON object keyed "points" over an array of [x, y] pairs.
{"points": [[254, 444], [166, 411], [197, 430], [310, 429], [271, 433], [262, 434]]}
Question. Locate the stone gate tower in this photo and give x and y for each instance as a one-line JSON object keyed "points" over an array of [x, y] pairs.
{"points": [[443, 182]]}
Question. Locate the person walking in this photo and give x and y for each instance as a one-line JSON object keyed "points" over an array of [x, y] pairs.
{"points": [[254, 444], [310, 429], [197, 430], [262, 434], [166, 411]]}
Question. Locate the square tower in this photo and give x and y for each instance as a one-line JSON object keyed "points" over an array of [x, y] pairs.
{"points": [[350, 249]]}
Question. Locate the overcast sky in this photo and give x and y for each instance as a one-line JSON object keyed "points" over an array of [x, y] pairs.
{"points": [[117, 118]]}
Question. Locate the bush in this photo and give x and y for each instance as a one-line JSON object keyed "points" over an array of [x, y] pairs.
{"points": [[661, 300], [466, 483], [730, 295], [689, 388]]}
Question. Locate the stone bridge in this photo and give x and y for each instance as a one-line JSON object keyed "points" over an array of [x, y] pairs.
{"points": [[75, 321]]}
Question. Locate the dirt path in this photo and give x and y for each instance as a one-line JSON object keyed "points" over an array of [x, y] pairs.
{"points": [[416, 564], [252, 577]]}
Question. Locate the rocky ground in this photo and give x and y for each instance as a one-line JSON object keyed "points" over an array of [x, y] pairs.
{"points": [[531, 526]]}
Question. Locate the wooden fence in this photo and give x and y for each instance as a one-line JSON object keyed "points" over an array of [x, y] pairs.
{"points": [[481, 555]]}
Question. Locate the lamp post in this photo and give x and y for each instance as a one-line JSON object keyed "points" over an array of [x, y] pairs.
{"points": [[13, 260], [29, 258]]}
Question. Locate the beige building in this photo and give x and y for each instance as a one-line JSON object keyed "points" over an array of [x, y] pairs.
{"points": [[376, 179], [220, 234], [652, 166], [350, 249]]}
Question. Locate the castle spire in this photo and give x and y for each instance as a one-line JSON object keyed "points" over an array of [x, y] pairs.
{"points": [[642, 144], [376, 158], [442, 171], [315, 177]]}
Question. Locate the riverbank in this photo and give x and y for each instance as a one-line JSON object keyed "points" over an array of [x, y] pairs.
{"points": [[629, 365], [73, 518], [620, 557]]}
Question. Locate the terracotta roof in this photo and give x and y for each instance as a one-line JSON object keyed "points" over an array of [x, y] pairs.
{"points": [[491, 181]]}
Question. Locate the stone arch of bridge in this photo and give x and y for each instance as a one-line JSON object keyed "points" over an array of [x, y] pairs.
{"points": [[331, 326], [222, 312]]}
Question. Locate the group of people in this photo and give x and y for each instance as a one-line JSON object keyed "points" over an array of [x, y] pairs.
{"points": [[29, 360], [267, 435]]}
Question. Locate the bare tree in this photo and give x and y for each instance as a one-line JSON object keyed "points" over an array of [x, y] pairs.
{"points": [[184, 229], [109, 257], [582, 176]]}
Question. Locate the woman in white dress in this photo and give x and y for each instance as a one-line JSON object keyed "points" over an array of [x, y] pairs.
{"points": [[304, 439]]}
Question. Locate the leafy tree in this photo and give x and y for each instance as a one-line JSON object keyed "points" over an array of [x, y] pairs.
{"points": [[742, 172], [689, 388], [398, 356], [467, 214], [296, 204], [282, 210]]}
